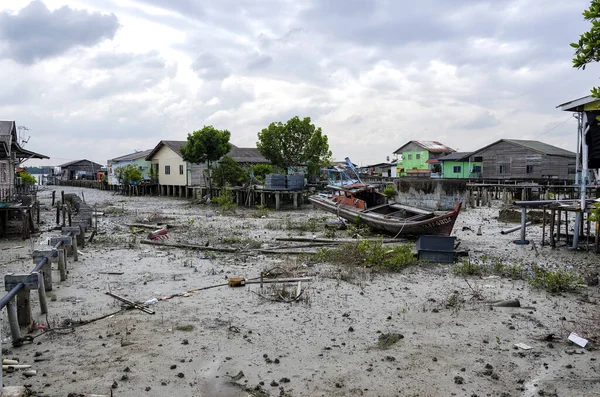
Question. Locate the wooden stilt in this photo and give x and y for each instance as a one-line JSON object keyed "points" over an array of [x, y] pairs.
{"points": [[552, 218], [543, 226]]}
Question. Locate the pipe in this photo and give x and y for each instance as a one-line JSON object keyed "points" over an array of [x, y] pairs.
{"points": [[514, 229], [13, 292]]}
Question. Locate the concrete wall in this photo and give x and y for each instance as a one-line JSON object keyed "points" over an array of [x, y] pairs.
{"points": [[434, 194]]}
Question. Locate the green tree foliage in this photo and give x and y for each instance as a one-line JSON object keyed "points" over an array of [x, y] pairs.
{"points": [[297, 142], [587, 49], [206, 145], [229, 172], [128, 174], [261, 171], [27, 179]]}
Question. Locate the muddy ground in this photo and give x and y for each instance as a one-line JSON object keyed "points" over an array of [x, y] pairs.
{"points": [[424, 331]]}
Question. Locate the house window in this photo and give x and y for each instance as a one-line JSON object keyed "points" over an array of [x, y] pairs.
{"points": [[167, 170], [418, 156], [529, 169], [410, 156], [181, 169], [457, 169], [477, 159], [501, 169], [476, 168]]}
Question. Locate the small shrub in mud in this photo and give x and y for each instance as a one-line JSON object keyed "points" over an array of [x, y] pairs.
{"points": [[560, 280], [389, 192], [242, 241], [467, 268], [369, 254], [262, 211], [357, 229], [310, 225], [225, 200]]}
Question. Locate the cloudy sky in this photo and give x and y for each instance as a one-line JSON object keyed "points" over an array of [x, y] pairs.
{"points": [[99, 79]]}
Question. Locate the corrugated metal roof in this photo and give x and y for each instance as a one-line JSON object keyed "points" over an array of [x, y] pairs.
{"points": [[133, 156], [8, 138], [431, 146], [542, 147], [576, 105], [247, 155], [6, 131], [537, 146], [456, 156], [79, 161], [241, 155]]}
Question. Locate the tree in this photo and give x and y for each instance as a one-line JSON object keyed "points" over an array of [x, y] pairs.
{"points": [[27, 179], [128, 174], [587, 49], [206, 146], [229, 172], [297, 142]]}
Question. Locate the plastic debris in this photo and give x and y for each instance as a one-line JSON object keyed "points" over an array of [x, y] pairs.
{"points": [[578, 340], [523, 346]]}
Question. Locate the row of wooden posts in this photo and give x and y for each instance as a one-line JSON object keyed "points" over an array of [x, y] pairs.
{"points": [[483, 194], [72, 237]]}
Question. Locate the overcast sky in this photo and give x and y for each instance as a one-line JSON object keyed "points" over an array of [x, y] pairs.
{"points": [[101, 79]]}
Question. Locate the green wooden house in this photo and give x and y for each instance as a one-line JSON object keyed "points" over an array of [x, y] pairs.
{"points": [[421, 158], [461, 165]]}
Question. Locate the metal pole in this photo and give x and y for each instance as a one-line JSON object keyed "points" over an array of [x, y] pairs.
{"points": [[523, 223], [584, 181]]}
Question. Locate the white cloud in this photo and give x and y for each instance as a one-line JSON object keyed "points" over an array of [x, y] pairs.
{"points": [[372, 73]]}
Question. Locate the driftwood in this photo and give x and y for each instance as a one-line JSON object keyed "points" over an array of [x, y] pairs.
{"points": [[279, 280], [336, 241], [283, 252], [188, 246], [147, 226], [132, 304]]}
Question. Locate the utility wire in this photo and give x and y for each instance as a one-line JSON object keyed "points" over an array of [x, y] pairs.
{"points": [[556, 126]]}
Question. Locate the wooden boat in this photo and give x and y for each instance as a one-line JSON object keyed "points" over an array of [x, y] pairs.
{"points": [[364, 202], [353, 200]]}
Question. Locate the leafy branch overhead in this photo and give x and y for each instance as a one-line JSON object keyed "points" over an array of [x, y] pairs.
{"points": [[587, 49], [295, 143], [206, 145]]}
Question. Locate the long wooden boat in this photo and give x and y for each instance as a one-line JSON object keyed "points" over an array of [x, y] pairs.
{"points": [[363, 202]]}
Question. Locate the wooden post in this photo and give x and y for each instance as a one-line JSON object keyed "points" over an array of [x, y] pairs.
{"points": [[25, 214], [13, 321], [558, 225], [478, 196], [277, 201], [597, 239], [69, 213], [51, 256], [58, 213], [552, 219], [75, 232], [62, 264], [53, 197], [567, 227], [37, 206], [42, 294], [543, 226], [295, 200], [24, 308], [64, 213], [262, 199]]}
